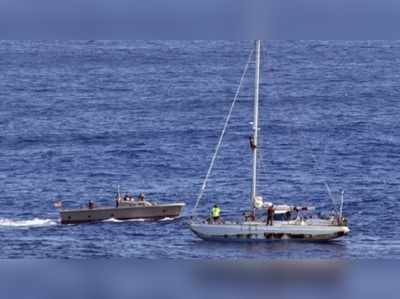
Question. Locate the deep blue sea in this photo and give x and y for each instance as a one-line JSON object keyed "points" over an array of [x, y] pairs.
{"points": [[79, 118]]}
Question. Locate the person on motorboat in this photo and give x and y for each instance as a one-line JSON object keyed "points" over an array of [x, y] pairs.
{"points": [[141, 197], [91, 205]]}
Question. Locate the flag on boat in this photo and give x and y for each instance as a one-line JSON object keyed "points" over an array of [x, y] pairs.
{"points": [[57, 204]]}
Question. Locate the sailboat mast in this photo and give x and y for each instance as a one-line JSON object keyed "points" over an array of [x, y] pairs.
{"points": [[255, 123]]}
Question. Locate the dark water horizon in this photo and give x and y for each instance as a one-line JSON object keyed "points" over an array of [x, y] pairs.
{"points": [[79, 118]]}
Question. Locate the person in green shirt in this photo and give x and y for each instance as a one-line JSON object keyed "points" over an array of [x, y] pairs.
{"points": [[215, 213]]}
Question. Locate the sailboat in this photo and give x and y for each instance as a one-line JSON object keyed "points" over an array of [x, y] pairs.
{"points": [[285, 221]]}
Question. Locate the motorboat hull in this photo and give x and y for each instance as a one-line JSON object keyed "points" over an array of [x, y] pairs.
{"points": [[256, 231], [154, 212]]}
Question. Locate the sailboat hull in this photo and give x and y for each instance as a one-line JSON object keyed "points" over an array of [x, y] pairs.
{"points": [[248, 232]]}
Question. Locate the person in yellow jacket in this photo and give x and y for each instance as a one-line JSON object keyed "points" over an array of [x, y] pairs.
{"points": [[215, 213]]}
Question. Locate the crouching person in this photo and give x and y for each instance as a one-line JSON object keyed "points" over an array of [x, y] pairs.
{"points": [[215, 214]]}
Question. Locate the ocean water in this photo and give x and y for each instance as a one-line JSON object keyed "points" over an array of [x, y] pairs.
{"points": [[79, 118]]}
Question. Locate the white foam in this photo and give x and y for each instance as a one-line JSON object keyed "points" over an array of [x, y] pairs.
{"points": [[113, 220], [137, 220], [168, 219], [36, 222]]}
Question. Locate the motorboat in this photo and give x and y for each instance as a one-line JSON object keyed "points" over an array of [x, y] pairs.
{"points": [[126, 208]]}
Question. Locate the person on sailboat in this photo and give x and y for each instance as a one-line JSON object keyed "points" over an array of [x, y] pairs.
{"points": [[270, 215], [215, 213], [252, 144]]}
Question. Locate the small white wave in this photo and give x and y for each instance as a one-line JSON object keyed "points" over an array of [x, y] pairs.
{"points": [[113, 220], [36, 222], [137, 220], [168, 219]]}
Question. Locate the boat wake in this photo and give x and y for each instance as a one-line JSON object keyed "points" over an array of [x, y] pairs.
{"points": [[36, 222], [168, 219]]}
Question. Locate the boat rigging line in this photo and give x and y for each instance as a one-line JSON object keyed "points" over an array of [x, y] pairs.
{"points": [[227, 120]]}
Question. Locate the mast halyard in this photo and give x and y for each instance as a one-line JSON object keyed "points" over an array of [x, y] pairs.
{"points": [[255, 124]]}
